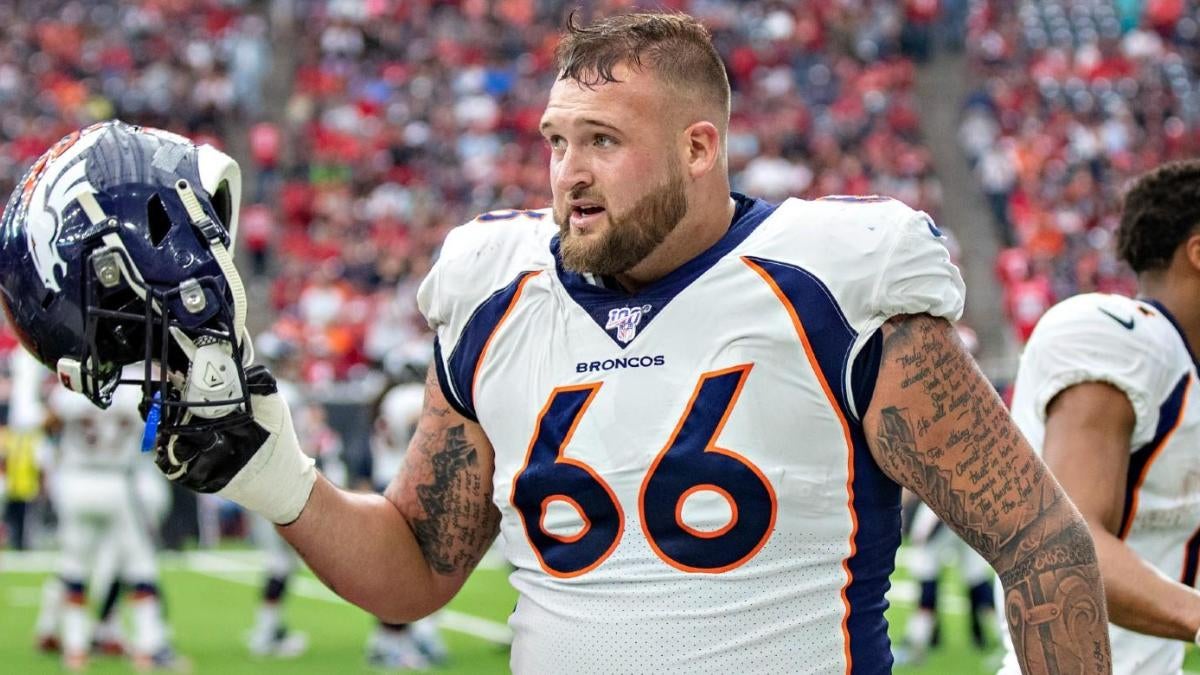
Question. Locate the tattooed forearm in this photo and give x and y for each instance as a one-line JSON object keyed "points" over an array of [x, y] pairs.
{"points": [[1054, 602], [458, 526], [432, 384], [919, 471], [448, 498], [937, 427]]}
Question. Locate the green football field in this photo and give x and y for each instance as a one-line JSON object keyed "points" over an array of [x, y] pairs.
{"points": [[212, 598]]}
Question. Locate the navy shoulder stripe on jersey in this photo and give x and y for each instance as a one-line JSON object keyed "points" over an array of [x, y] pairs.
{"points": [[464, 361], [875, 500], [1169, 415]]}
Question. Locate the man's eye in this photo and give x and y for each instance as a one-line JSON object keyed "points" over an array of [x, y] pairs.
{"points": [[604, 141], [555, 142]]}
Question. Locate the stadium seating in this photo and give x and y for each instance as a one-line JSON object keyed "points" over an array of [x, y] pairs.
{"points": [[1074, 98]]}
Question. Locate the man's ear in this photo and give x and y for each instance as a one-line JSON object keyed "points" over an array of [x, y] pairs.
{"points": [[702, 148], [1191, 248]]}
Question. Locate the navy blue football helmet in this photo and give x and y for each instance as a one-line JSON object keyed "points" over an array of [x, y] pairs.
{"points": [[116, 248]]}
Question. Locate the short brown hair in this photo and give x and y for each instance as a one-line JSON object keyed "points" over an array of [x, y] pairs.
{"points": [[676, 46], [1160, 211]]}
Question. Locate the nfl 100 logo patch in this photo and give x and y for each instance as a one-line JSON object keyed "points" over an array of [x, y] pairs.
{"points": [[626, 320]]}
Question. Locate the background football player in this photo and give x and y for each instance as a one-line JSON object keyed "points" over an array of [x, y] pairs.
{"points": [[96, 496], [933, 547], [1106, 390], [271, 636]]}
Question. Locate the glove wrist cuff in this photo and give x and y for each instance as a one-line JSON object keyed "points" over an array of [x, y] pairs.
{"points": [[278, 479]]}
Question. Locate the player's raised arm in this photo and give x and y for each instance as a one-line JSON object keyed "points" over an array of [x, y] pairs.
{"points": [[404, 555], [936, 426]]}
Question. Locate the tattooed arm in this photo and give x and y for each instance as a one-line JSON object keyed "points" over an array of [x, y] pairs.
{"points": [[404, 554], [936, 426]]}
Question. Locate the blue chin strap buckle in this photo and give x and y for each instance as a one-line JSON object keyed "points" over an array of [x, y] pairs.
{"points": [[153, 416]]}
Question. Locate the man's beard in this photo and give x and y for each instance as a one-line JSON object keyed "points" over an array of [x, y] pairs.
{"points": [[631, 236]]}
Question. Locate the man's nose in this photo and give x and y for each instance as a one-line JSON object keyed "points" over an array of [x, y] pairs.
{"points": [[573, 172]]}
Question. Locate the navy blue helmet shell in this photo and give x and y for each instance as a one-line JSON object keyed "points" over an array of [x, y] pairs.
{"points": [[122, 190]]}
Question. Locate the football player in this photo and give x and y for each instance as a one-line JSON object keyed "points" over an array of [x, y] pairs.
{"points": [[271, 636], [933, 546], [96, 498], [151, 498], [690, 411], [1106, 391]]}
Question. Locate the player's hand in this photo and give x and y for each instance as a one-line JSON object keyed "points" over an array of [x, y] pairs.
{"points": [[255, 461]]}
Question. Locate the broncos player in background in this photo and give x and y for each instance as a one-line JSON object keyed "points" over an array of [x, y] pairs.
{"points": [[689, 411], [931, 547], [1106, 391], [153, 499], [97, 498], [271, 636]]}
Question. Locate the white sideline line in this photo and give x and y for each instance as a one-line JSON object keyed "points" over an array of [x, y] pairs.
{"points": [[28, 561], [492, 631], [905, 593], [33, 562]]}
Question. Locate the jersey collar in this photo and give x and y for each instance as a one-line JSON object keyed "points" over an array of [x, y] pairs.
{"points": [[622, 315], [1174, 322]]}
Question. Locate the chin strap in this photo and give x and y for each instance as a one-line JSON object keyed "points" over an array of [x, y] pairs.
{"points": [[212, 232]]}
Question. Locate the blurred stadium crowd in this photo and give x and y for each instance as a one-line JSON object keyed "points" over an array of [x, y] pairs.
{"points": [[368, 128], [1074, 99]]}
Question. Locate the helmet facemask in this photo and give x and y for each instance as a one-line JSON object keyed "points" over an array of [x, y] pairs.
{"points": [[117, 249], [190, 369]]}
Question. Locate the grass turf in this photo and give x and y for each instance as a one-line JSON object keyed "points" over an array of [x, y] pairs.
{"points": [[212, 609]]}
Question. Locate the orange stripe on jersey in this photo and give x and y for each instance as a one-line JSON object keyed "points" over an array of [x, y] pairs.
{"points": [[496, 329], [1131, 513], [833, 405], [733, 511]]}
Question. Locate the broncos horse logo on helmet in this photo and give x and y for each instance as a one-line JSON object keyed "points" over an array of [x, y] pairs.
{"points": [[116, 248]]}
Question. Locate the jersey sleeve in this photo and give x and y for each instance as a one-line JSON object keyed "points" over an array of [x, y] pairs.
{"points": [[481, 268], [1080, 341], [917, 276], [873, 258]]}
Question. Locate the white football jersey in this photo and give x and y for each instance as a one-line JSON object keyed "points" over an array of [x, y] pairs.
{"points": [[683, 477], [91, 438], [1135, 346]]}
